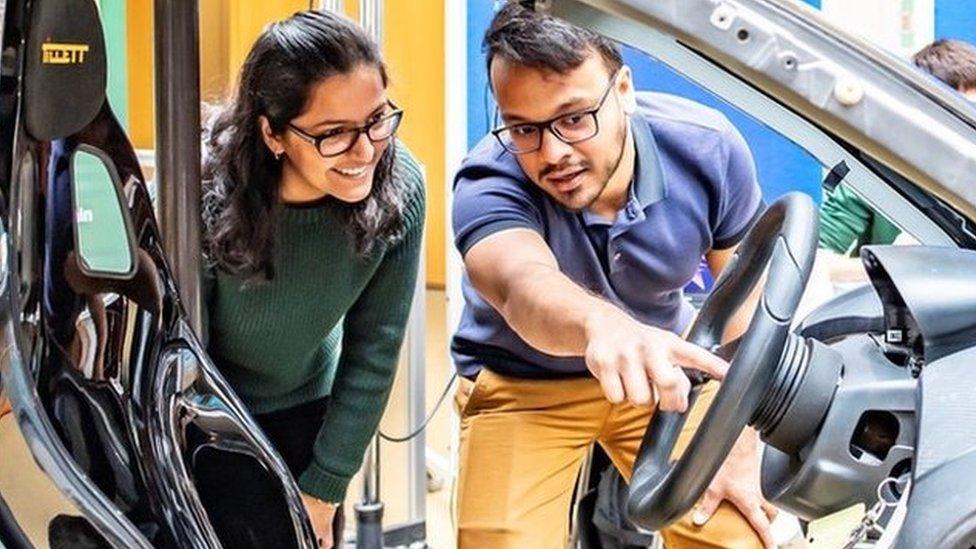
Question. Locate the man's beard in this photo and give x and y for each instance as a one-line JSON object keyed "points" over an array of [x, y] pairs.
{"points": [[578, 201]]}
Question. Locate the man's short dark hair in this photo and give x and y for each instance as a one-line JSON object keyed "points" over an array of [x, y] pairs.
{"points": [[543, 42], [951, 61]]}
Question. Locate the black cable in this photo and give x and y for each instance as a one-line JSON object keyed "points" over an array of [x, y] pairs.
{"points": [[429, 417]]}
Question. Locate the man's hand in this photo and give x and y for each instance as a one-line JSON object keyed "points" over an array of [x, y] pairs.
{"points": [[321, 513], [516, 272], [628, 358], [738, 482]]}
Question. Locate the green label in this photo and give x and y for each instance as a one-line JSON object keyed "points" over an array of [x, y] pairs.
{"points": [[102, 237]]}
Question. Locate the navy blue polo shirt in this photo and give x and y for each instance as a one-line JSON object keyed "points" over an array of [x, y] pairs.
{"points": [[694, 190]]}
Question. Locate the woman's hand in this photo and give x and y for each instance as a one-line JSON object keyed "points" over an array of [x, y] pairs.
{"points": [[321, 513]]}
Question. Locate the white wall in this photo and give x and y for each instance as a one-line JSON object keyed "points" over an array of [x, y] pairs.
{"points": [[900, 26], [456, 138]]}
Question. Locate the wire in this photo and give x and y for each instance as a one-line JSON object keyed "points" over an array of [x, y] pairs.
{"points": [[430, 416]]}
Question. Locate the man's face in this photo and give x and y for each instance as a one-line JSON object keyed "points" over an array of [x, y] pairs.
{"points": [[573, 174]]}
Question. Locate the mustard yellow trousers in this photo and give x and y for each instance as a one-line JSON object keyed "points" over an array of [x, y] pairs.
{"points": [[522, 444]]}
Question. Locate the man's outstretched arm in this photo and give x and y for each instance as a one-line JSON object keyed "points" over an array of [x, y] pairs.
{"points": [[515, 271]]}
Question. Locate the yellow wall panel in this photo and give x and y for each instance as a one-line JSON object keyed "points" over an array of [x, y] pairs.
{"points": [[215, 71], [413, 43], [248, 18], [140, 70]]}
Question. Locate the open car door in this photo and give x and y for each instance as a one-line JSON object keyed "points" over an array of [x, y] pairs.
{"points": [[869, 397]]}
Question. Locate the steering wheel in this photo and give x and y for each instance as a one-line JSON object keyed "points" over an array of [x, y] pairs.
{"points": [[783, 240]]}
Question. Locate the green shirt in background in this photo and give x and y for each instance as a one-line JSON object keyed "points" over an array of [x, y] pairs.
{"points": [[847, 223], [329, 323]]}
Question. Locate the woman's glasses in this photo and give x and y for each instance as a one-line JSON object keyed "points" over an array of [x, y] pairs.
{"points": [[339, 140]]}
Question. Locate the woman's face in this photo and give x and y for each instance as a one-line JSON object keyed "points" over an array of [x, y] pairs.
{"points": [[341, 101]]}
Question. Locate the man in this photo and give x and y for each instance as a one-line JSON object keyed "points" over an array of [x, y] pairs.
{"points": [[846, 221], [580, 219]]}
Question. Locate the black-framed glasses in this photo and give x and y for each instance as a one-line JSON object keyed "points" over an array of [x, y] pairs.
{"points": [[339, 140], [569, 128]]}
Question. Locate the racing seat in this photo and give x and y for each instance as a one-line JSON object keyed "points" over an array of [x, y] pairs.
{"points": [[132, 407]]}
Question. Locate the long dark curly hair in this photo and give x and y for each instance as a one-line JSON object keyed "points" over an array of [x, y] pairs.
{"points": [[241, 176]]}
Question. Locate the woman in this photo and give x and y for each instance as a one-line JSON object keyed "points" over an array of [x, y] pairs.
{"points": [[313, 217]]}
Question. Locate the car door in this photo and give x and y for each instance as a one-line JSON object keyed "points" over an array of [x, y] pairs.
{"points": [[906, 146]]}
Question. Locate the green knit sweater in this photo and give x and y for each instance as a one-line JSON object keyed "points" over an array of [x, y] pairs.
{"points": [[329, 323]]}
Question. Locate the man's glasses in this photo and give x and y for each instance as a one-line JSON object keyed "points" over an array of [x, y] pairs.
{"points": [[569, 128], [339, 140]]}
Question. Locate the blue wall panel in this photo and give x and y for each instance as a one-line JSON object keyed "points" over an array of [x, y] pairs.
{"points": [[781, 165], [955, 19], [480, 103]]}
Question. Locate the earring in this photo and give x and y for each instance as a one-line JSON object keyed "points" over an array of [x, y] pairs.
{"points": [[278, 154]]}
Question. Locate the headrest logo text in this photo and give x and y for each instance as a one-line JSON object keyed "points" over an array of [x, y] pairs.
{"points": [[53, 53]]}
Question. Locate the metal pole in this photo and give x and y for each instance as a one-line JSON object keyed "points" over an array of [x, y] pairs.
{"points": [[371, 18], [417, 395], [337, 6], [371, 478], [177, 56], [369, 512]]}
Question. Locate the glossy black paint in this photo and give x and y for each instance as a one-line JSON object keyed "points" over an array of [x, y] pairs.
{"points": [[110, 388]]}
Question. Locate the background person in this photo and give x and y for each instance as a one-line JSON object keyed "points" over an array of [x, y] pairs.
{"points": [[846, 221]]}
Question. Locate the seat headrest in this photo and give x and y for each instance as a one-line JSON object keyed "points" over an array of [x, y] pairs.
{"points": [[65, 68]]}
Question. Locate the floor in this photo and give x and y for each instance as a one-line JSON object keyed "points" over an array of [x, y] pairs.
{"points": [[30, 497]]}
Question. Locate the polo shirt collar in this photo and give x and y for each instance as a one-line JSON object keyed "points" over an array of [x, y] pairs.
{"points": [[648, 185]]}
